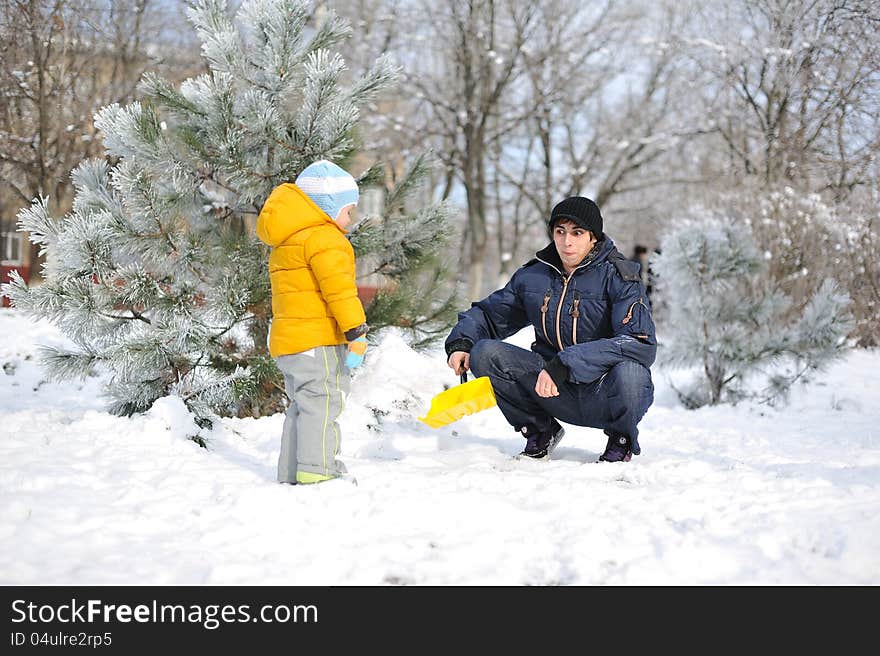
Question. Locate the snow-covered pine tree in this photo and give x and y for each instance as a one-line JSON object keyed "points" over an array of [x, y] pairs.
{"points": [[726, 316], [156, 274]]}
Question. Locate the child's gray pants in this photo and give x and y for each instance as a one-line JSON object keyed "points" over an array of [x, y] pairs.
{"points": [[317, 383]]}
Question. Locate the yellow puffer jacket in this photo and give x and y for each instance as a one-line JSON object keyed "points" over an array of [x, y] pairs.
{"points": [[311, 267]]}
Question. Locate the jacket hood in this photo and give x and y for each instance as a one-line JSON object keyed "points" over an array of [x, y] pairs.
{"points": [[550, 255], [289, 210]]}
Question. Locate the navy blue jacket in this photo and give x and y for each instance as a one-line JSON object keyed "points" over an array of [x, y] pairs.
{"points": [[585, 322]]}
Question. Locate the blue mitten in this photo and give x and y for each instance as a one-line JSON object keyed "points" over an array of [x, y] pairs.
{"points": [[356, 350]]}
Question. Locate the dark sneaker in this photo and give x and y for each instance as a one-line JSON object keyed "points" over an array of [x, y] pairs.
{"points": [[539, 446], [618, 449]]}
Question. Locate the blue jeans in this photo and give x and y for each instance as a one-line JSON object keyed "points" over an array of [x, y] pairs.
{"points": [[615, 403]]}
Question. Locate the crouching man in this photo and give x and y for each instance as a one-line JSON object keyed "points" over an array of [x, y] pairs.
{"points": [[594, 339]]}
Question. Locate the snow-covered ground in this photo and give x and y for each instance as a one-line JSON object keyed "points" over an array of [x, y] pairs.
{"points": [[727, 495]]}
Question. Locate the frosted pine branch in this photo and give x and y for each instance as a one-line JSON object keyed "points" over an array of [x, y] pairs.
{"points": [[37, 221], [409, 183], [64, 365]]}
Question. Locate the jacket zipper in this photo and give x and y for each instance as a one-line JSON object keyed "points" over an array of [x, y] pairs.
{"points": [[629, 314], [559, 309], [575, 313], [544, 307]]}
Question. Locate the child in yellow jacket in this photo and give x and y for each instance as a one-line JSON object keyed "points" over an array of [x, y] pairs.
{"points": [[318, 323]]}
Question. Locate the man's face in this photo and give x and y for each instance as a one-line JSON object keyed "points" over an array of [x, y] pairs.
{"points": [[572, 243]]}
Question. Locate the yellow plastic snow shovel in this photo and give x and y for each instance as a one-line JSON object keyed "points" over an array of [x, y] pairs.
{"points": [[461, 400]]}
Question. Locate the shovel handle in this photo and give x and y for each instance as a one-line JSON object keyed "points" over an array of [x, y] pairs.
{"points": [[463, 376]]}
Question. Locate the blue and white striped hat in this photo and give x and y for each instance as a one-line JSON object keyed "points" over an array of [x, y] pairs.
{"points": [[330, 187]]}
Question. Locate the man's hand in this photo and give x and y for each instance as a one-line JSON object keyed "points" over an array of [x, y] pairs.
{"points": [[545, 387], [459, 361]]}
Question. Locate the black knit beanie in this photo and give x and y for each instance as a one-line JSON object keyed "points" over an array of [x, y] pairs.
{"points": [[582, 211]]}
